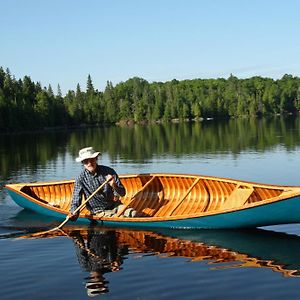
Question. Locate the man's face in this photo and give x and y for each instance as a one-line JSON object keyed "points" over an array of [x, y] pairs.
{"points": [[90, 164]]}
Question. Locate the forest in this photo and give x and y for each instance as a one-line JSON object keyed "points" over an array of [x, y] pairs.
{"points": [[26, 105]]}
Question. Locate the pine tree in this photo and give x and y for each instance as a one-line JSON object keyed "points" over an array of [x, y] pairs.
{"points": [[89, 86], [59, 94]]}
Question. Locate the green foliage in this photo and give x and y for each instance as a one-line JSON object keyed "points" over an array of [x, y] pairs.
{"points": [[26, 105]]}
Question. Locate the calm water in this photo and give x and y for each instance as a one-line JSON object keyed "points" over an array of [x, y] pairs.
{"points": [[112, 263]]}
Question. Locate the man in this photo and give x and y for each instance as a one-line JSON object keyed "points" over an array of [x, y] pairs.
{"points": [[93, 175]]}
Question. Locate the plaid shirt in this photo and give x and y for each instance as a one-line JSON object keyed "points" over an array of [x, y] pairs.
{"points": [[104, 246], [87, 183]]}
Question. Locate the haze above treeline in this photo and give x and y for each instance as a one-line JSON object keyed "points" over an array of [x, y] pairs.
{"points": [[26, 105]]}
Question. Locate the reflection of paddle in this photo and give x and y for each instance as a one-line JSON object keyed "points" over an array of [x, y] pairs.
{"points": [[78, 209]]}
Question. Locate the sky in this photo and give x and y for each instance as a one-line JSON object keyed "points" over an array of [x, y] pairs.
{"points": [[63, 41]]}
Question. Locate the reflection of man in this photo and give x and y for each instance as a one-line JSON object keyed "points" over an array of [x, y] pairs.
{"points": [[98, 253]]}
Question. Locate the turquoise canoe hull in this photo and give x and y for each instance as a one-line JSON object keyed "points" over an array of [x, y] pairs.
{"points": [[280, 212]]}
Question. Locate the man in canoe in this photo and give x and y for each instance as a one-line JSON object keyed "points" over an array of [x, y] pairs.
{"points": [[106, 201]]}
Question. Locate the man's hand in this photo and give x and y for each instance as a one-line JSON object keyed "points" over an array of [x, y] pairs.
{"points": [[72, 217], [111, 181]]}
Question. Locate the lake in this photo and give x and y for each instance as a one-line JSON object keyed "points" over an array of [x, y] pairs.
{"points": [[81, 262]]}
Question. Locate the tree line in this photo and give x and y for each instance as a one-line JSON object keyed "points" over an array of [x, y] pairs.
{"points": [[141, 144], [25, 104]]}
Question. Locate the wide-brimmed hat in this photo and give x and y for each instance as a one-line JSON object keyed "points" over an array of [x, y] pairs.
{"points": [[86, 153], [96, 288]]}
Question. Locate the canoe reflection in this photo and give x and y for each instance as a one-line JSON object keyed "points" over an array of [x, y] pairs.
{"points": [[102, 250]]}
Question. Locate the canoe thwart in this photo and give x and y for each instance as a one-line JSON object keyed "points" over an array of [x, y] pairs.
{"points": [[183, 198], [133, 197]]}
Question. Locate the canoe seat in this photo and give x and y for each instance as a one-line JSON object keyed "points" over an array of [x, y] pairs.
{"points": [[237, 198]]}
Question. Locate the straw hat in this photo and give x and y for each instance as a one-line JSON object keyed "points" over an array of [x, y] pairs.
{"points": [[96, 288], [86, 153]]}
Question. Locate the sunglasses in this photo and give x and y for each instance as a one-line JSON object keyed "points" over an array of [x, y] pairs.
{"points": [[88, 160]]}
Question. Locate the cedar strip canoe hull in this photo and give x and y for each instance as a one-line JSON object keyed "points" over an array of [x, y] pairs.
{"points": [[177, 201]]}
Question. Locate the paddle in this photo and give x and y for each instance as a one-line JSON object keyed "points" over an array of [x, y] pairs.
{"points": [[86, 201], [79, 208]]}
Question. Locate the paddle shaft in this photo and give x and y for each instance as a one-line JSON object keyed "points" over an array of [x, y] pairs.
{"points": [[75, 211]]}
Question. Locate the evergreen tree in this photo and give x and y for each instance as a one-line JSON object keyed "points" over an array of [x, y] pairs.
{"points": [[59, 93], [89, 86]]}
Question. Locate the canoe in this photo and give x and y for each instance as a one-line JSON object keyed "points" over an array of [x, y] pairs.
{"points": [[174, 201]]}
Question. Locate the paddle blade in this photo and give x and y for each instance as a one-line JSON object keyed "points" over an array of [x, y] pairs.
{"points": [[43, 234]]}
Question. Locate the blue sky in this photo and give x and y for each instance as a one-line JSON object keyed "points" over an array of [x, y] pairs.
{"points": [[62, 41]]}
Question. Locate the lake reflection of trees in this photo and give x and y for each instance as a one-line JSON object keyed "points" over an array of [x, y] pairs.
{"points": [[141, 143]]}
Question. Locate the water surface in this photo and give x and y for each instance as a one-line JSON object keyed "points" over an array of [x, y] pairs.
{"points": [[133, 264]]}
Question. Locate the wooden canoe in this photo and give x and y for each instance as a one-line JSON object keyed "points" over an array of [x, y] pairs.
{"points": [[175, 201]]}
